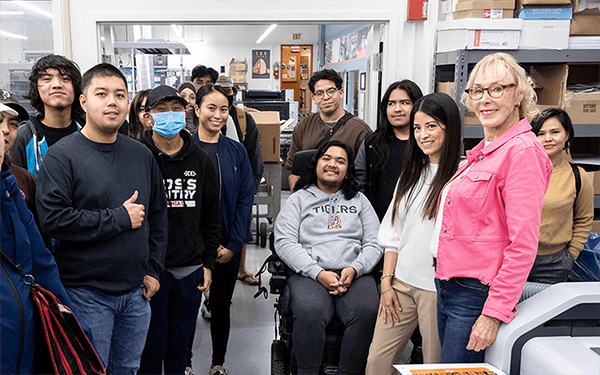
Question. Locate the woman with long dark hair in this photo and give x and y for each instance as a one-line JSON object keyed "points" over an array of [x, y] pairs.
{"points": [[567, 214], [237, 195], [379, 158], [408, 296]]}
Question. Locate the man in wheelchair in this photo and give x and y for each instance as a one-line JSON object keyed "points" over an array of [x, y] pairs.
{"points": [[327, 234]]}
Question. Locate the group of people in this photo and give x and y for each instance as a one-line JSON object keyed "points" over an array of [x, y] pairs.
{"points": [[126, 229], [134, 226], [459, 237]]}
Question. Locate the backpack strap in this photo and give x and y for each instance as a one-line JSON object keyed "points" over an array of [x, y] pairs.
{"points": [[344, 119], [577, 181], [241, 116]]}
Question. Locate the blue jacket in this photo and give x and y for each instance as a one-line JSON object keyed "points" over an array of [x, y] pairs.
{"points": [[237, 192], [30, 146], [22, 241]]}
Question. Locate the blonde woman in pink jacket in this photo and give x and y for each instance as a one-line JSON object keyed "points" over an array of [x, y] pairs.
{"points": [[488, 222]]}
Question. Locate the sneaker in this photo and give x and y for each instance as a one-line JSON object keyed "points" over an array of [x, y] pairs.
{"points": [[205, 310], [189, 371], [218, 371]]}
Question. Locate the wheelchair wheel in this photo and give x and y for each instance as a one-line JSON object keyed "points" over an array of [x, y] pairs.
{"points": [[262, 233], [278, 358], [277, 367]]}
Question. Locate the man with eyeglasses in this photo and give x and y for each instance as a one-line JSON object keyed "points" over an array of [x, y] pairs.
{"points": [[331, 121]]}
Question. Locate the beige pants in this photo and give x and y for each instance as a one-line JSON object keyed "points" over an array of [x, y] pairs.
{"points": [[418, 308]]}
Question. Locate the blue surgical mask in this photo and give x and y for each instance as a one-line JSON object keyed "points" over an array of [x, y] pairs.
{"points": [[168, 124]]}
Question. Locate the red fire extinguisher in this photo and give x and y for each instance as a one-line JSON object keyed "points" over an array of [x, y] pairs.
{"points": [[276, 70]]}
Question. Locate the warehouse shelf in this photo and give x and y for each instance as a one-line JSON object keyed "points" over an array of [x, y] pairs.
{"points": [[455, 66]]}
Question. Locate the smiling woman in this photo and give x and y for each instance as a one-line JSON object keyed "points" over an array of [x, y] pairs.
{"points": [[487, 225], [232, 164], [567, 213]]}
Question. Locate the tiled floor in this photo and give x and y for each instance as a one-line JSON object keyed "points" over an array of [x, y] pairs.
{"points": [[252, 328]]}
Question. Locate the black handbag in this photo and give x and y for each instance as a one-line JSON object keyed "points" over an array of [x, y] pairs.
{"points": [[62, 346]]}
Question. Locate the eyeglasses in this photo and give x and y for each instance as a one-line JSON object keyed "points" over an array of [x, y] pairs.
{"points": [[330, 91], [494, 91]]}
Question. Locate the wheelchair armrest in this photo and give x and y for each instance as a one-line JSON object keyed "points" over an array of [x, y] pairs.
{"points": [[279, 274]]}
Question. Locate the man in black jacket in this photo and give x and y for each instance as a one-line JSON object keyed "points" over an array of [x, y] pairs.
{"points": [[192, 189]]}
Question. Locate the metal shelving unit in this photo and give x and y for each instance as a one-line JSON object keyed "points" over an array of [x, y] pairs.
{"points": [[456, 65]]}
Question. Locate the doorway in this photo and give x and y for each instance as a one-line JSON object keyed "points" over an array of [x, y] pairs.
{"points": [[296, 70]]}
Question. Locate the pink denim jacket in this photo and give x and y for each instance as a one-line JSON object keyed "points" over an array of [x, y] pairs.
{"points": [[491, 219]]}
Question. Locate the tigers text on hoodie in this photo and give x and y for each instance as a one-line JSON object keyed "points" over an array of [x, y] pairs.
{"points": [[316, 231]]}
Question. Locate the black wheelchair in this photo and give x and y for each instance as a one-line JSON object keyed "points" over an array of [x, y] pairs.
{"points": [[282, 363]]}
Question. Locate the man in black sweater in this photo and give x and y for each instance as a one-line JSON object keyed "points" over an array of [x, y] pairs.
{"points": [[101, 195], [192, 188]]}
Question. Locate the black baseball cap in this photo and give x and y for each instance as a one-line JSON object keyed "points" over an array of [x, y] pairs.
{"points": [[161, 93], [9, 100]]}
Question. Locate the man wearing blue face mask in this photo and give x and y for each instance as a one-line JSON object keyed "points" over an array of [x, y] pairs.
{"points": [[192, 190]]}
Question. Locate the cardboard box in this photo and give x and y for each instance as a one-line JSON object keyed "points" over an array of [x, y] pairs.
{"points": [[268, 135], [446, 88], [551, 84], [583, 108], [483, 13], [554, 13], [471, 119], [472, 33], [238, 65], [545, 34], [487, 4], [543, 2], [237, 70], [595, 181], [237, 76], [586, 22]]}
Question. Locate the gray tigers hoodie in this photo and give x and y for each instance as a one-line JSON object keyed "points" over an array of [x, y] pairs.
{"points": [[316, 231]]}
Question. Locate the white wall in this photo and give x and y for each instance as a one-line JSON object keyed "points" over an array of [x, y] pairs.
{"points": [[409, 51]]}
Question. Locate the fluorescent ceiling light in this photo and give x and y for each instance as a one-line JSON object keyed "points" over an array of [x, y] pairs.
{"points": [[33, 8], [11, 35], [267, 32], [11, 12]]}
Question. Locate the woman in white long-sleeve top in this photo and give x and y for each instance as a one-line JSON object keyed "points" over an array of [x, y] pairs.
{"points": [[408, 296]]}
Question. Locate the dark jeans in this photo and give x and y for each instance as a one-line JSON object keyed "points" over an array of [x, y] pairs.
{"points": [[224, 278], [313, 307], [552, 268], [174, 311], [460, 302], [119, 325]]}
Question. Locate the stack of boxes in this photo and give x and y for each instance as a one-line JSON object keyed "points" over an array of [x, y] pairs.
{"points": [[237, 70], [546, 24], [484, 9]]}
